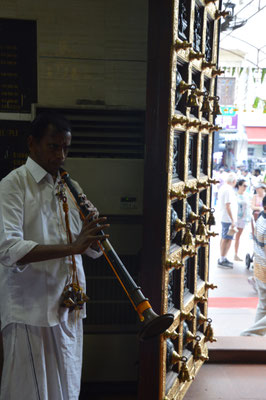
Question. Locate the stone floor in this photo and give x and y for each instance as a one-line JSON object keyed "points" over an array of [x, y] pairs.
{"points": [[229, 382], [231, 283]]}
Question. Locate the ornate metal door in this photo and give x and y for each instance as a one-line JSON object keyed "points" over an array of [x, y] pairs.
{"points": [[181, 110]]}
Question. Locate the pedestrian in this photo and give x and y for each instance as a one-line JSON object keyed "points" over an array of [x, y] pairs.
{"points": [[256, 178], [243, 202], [228, 213], [259, 326], [247, 176], [256, 203], [42, 333]]}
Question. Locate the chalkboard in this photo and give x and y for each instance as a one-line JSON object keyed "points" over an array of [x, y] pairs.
{"points": [[13, 145], [18, 65]]}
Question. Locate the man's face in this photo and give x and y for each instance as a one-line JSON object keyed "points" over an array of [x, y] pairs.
{"points": [[51, 151]]}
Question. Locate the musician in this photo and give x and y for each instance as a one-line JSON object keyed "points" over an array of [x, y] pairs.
{"points": [[41, 241]]}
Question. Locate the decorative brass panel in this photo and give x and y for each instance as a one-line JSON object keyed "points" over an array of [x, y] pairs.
{"points": [[180, 126], [196, 163]]}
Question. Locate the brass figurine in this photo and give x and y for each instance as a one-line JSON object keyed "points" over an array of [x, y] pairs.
{"points": [[190, 189], [175, 357], [214, 181], [199, 92], [183, 86], [177, 194], [200, 299], [216, 72], [174, 264], [215, 128], [210, 286], [179, 45], [195, 55], [207, 64], [205, 126], [201, 185], [193, 216], [204, 209], [220, 13], [200, 317], [193, 123], [201, 242], [188, 252], [189, 337], [178, 225], [210, 233], [171, 334], [187, 315], [178, 120]]}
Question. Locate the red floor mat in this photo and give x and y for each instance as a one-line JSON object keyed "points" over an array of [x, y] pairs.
{"points": [[233, 302]]}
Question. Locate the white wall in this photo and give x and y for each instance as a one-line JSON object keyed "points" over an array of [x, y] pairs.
{"points": [[94, 50]]}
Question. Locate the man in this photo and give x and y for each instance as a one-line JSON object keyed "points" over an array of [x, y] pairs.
{"points": [[42, 338], [259, 327], [256, 178], [228, 212], [247, 176]]}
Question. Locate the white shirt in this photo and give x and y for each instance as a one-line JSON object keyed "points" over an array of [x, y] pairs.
{"points": [[227, 195], [31, 214]]}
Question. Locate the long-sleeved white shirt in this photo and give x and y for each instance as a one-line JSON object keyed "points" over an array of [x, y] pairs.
{"points": [[31, 214]]}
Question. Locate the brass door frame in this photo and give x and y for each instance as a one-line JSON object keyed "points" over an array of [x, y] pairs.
{"points": [[158, 185]]}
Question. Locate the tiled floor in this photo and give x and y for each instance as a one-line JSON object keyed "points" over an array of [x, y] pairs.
{"points": [[231, 283], [229, 382]]}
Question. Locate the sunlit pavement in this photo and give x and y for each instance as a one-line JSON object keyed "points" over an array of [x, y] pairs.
{"points": [[231, 283]]}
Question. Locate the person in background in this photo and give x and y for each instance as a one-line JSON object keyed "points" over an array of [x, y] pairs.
{"points": [[259, 326], [256, 208], [242, 213], [247, 176], [228, 212], [238, 172], [256, 203], [221, 177], [256, 178]]}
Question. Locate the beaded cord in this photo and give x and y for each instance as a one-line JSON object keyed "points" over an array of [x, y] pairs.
{"points": [[73, 295]]}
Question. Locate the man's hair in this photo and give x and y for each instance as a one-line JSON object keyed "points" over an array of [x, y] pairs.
{"points": [[240, 183], [257, 170], [43, 120], [231, 177], [264, 202]]}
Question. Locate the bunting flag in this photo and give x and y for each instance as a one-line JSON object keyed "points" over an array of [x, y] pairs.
{"points": [[263, 74], [256, 102], [255, 72]]}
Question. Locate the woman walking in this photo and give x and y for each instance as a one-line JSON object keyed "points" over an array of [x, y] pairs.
{"points": [[242, 213]]}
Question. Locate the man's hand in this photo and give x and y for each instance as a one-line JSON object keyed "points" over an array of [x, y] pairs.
{"points": [[89, 234]]}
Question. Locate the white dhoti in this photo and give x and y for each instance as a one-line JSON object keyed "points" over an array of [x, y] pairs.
{"points": [[259, 326], [42, 363]]}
